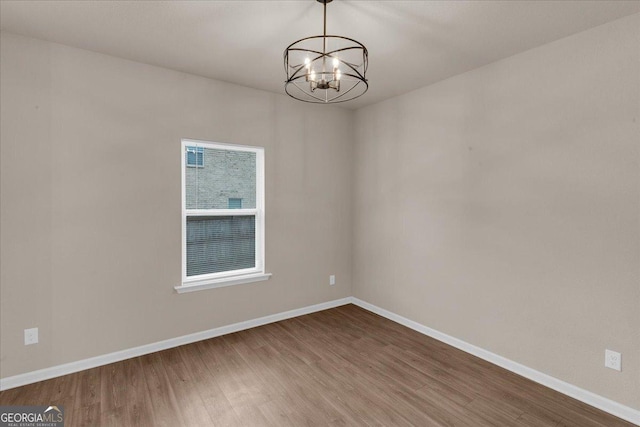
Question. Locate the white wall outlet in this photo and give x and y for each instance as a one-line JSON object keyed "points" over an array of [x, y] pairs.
{"points": [[332, 280], [613, 360], [31, 336]]}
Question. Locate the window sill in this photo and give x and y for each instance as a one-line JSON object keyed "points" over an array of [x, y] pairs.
{"points": [[219, 283]]}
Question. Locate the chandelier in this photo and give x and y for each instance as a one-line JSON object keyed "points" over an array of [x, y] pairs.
{"points": [[326, 69]]}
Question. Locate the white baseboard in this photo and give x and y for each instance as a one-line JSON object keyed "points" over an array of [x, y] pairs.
{"points": [[607, 405], [81, 365]]}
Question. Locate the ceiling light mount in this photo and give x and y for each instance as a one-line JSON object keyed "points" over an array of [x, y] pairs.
{"points": [[326, 69]]}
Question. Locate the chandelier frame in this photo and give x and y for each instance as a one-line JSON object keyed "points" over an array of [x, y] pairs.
{"points": [[306, 84]]}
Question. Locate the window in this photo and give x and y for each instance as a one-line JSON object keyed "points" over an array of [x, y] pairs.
{"points": [[195, 157], [235, 203], [222, 215]]}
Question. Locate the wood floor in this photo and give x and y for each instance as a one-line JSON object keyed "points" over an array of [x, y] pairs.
{"points": [[344, 366]]}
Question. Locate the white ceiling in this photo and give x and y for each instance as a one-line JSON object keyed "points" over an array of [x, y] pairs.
{"points": [[411, 43]]}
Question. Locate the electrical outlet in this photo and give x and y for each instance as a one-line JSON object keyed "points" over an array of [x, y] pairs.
{"points": [[332, 280], [31, 336], [613, 360]]}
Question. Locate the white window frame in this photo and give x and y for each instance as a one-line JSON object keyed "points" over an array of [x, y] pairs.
{"points": [[234, 277]]}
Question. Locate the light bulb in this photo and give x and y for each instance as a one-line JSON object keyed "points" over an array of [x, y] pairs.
{"points": [[336, 62], [307, 62]]}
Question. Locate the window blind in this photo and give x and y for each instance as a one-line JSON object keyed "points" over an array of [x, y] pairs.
{"points": [[220, 243]]}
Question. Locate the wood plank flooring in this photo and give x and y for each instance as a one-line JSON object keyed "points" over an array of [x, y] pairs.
{"points": [[339, 367]]}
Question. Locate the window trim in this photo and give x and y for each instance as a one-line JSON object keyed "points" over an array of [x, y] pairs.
{"points": [[225, 278]]}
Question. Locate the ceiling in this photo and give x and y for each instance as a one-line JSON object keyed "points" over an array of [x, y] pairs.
{"points": [[411, 43]]}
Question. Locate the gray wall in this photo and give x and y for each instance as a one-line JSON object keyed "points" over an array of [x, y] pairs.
{"points": [[501, 207], [90, 202]]}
